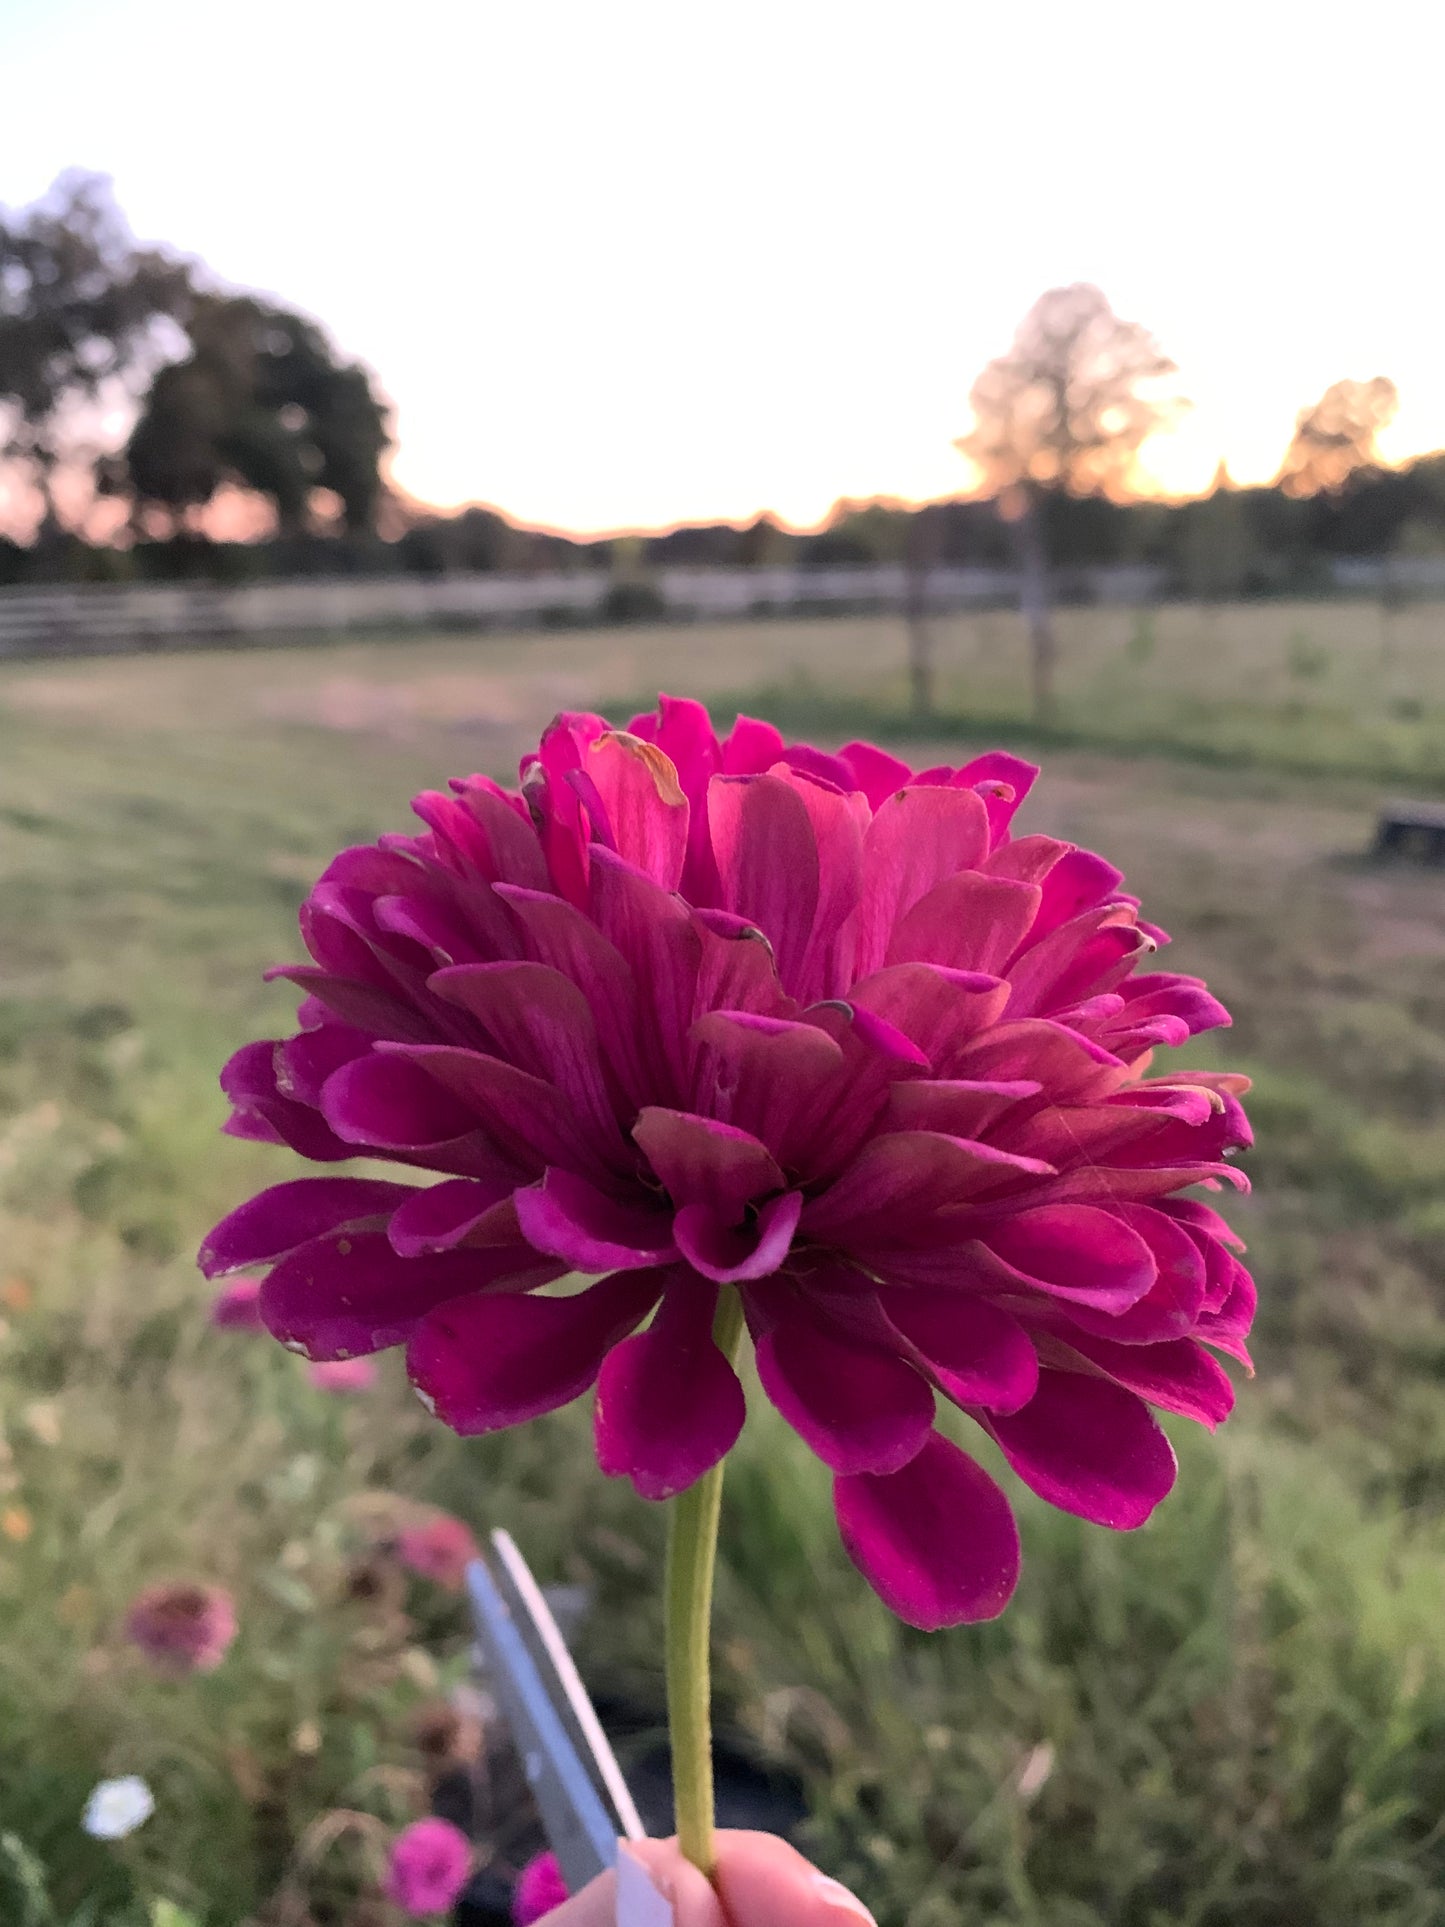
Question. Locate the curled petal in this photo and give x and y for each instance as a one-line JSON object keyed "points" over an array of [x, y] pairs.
{"points": [[978, 1353], [590, 1231], [439, 1217], [936, 1541], [700, 1161], [1075, 1251], [732, 1254]]}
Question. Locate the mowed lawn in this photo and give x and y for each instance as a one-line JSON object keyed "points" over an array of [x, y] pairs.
{"points": [[1235, 1715]]}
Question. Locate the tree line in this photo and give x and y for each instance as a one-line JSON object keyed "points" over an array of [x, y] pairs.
{"points": [[227, 391]]}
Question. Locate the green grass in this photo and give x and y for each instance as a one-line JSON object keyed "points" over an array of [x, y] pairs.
{"points": [[1237, 1714]]}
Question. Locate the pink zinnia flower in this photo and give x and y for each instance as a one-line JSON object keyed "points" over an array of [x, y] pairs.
{"points": [[440, 1548], [696, 1017], [237, 1306], [342, 1375], [182, 1628], [428, 1867], [540, 1887]]}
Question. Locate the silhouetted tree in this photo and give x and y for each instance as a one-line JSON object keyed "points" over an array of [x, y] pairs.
{"points": [[261, 402], [1064, 412], [1338, 436], [80, 305]]}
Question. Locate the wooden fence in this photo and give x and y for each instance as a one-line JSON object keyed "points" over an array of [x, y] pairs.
{"points": [[102, 620]]}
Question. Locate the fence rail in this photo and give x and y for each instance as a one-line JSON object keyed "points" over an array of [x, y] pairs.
{"points": [[101, 620]]}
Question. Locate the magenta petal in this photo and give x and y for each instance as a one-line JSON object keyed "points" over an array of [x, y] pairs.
{"points": [[387, 1102], [967, 922], [936, 1541], [264, 1111], [438, 1217], [919, 837], [1088, 1447], [288, 1215], [567, 1218], [646, 809], [669, 1404], [1177, 1376], [1075, 1251], [483, 1363], [979, 1354], [860, 1409], [350, 1293], [732, 1255], [700, 1161]]}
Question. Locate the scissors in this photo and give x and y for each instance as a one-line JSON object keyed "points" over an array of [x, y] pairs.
{"points": [[568, 1761]]}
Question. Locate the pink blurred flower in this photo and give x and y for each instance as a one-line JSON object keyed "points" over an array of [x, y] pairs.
{"points": [[237, 1306], [343, 1375], [182, 1628], [700, 1017], [540, 1887], [438, 1548], [428, 1867]]}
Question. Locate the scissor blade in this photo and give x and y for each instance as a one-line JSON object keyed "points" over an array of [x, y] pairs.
{"points": [[581, 1831], [533, 1616]]}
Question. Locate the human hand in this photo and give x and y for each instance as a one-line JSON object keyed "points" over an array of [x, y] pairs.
{"points": [[760, 1881]]}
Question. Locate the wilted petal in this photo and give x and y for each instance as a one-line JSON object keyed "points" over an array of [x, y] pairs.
{"points": [[1088, 1447], [483, 1363], [936, 1541], [669, 1404]]}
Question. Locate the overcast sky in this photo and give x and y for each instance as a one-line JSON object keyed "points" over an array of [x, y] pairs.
{"points": [[632, 262]]}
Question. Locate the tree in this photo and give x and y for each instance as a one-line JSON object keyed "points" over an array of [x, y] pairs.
{"points": [[1337, 438], [261, 402], [81, 308], [1064, 412]]}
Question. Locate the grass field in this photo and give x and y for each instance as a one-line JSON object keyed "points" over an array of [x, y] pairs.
{"points": [[1236, 1715]]}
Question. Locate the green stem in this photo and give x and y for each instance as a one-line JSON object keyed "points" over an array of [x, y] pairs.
{"points": [[691, 1557]]}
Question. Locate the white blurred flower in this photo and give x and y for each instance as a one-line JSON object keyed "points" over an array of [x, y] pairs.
{"points": [[118, 1807]]}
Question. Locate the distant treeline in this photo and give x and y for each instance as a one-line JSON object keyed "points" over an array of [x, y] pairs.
{"points": [[1232, 542]]}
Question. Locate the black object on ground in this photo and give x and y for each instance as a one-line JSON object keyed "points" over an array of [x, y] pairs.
{"points": [[1414, 831]]}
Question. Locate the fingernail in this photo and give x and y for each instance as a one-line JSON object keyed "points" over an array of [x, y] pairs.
{"points": [[835, 1895], [639, 1902]]}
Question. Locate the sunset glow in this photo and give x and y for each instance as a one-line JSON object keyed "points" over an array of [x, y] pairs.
{"points": [[630, 266]]}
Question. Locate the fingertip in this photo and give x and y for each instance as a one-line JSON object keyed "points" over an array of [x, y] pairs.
{"points": [[766, 1883]]}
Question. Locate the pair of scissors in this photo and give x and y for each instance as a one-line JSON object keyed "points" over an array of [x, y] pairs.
{"points": [[568, 1760]]}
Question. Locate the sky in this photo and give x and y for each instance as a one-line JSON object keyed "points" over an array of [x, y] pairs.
{"points": [[628, 263]]}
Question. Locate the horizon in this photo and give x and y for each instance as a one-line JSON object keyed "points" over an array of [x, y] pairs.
{"points": [[633, 275]]}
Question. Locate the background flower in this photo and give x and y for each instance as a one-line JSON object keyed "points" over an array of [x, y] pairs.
{"points": [[439, 1548], [237, 1306], [540, 1887], [342, 1375], [182, 1628], [428, 1867], [693, 1017], [118, 1807]]}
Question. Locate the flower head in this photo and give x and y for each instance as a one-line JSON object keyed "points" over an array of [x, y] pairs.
{"points": [[428, 1867], [117, 1807], [182, 1628], [540, 1887], [439, 1548], [344, 1376], [690, 1017], [237, 1306]]}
